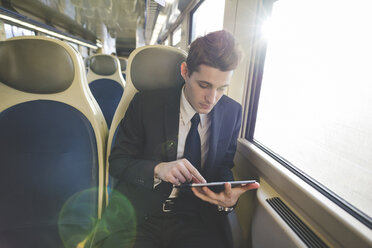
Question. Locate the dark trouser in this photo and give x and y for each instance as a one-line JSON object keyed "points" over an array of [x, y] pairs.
{"points": [[168, 230]]}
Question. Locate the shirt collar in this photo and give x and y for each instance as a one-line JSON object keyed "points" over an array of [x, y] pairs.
{"points": [[187, 111]]}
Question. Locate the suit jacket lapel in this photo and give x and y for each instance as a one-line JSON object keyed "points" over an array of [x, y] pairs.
{"points": [[171, 124]]}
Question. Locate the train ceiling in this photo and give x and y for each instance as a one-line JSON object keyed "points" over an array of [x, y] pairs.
{"points": [[129, 21]]}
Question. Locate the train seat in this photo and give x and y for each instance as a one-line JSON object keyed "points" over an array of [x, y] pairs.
{"points": [[52, 145], [149, 67], [123, 66], [106, 83]]}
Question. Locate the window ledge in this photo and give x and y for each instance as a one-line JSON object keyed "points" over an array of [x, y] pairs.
{"points": [[314, 206]]}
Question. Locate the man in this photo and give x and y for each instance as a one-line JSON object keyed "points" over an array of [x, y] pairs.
{"points": [[181, 135]]}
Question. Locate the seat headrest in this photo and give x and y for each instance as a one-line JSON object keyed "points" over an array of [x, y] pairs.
{"points": [[156, 67], [35, 66], [123, 64], [103, 64]]}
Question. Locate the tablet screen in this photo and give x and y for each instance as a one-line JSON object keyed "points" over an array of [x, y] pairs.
{"points": [[233, 184]]}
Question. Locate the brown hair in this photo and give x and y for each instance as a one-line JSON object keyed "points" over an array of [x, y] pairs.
{"points": [[217, 49]]}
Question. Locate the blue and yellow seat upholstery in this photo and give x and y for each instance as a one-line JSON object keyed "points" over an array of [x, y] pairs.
{"points": [[106, 83], [52, 145]]}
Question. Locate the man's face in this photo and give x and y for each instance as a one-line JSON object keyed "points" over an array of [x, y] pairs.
{"points": [[204, 88]]}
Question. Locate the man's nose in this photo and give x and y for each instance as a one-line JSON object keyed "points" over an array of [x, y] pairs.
{"points": [[211, 96]]}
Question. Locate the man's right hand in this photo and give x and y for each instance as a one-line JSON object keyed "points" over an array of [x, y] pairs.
{"points": [[177, 172]]}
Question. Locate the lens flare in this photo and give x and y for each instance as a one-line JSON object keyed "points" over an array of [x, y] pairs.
{"points": [[79, 226]]}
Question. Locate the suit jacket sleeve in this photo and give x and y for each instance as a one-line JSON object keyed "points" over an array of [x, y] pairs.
{"points": [[126, 160]]}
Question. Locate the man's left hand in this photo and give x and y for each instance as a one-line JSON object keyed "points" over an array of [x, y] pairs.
{"points": [[226, 198]]}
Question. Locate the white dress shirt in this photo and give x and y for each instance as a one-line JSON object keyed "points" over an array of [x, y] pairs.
{"points": [[186, 113]]}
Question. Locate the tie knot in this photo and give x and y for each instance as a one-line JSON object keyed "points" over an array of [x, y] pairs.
{"points": [[195, 120]]}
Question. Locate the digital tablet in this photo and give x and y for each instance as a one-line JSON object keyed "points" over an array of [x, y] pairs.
{"points": [[233, 184]]}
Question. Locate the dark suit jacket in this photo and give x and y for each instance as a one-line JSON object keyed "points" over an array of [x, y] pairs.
{"points": [[148, 135]]}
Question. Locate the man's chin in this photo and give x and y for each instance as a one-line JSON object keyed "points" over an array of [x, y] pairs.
{"points": [[204, 110]]}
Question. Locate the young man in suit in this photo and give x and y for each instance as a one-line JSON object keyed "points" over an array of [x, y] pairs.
{"points": [[179, 135]]}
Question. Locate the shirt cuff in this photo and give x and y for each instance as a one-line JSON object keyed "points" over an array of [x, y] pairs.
{"points": [[157, 181]]}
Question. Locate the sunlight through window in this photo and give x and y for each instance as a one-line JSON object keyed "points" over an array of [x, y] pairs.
{"points": [[316, 96], [208, 17]]}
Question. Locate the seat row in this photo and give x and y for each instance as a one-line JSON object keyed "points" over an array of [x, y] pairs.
{"points": [[56, 134]]}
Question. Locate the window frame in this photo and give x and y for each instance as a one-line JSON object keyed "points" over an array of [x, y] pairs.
{"points": [[192, 19], [175, 31]]}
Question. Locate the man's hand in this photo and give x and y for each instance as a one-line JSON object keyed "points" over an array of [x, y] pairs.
{"points": [[177, 172], [226, 198]]}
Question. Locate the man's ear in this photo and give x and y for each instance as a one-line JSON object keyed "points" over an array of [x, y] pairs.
{"points": [[184, 70]]}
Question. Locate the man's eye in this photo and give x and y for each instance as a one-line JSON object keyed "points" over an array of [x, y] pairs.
{"points": [[222, 89], [203, 86]]}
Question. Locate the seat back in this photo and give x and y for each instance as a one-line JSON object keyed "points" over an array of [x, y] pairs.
{"points": [[106, 83], [52, 145], [149, 68]]}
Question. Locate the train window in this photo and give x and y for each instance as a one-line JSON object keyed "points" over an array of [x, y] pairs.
{"points": [[14, 31], [8, 30], [83, 51], [166, 42], [314, 110], [206, 17], [74, 45], [176, 37], [28, 32], [18, 31]]}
